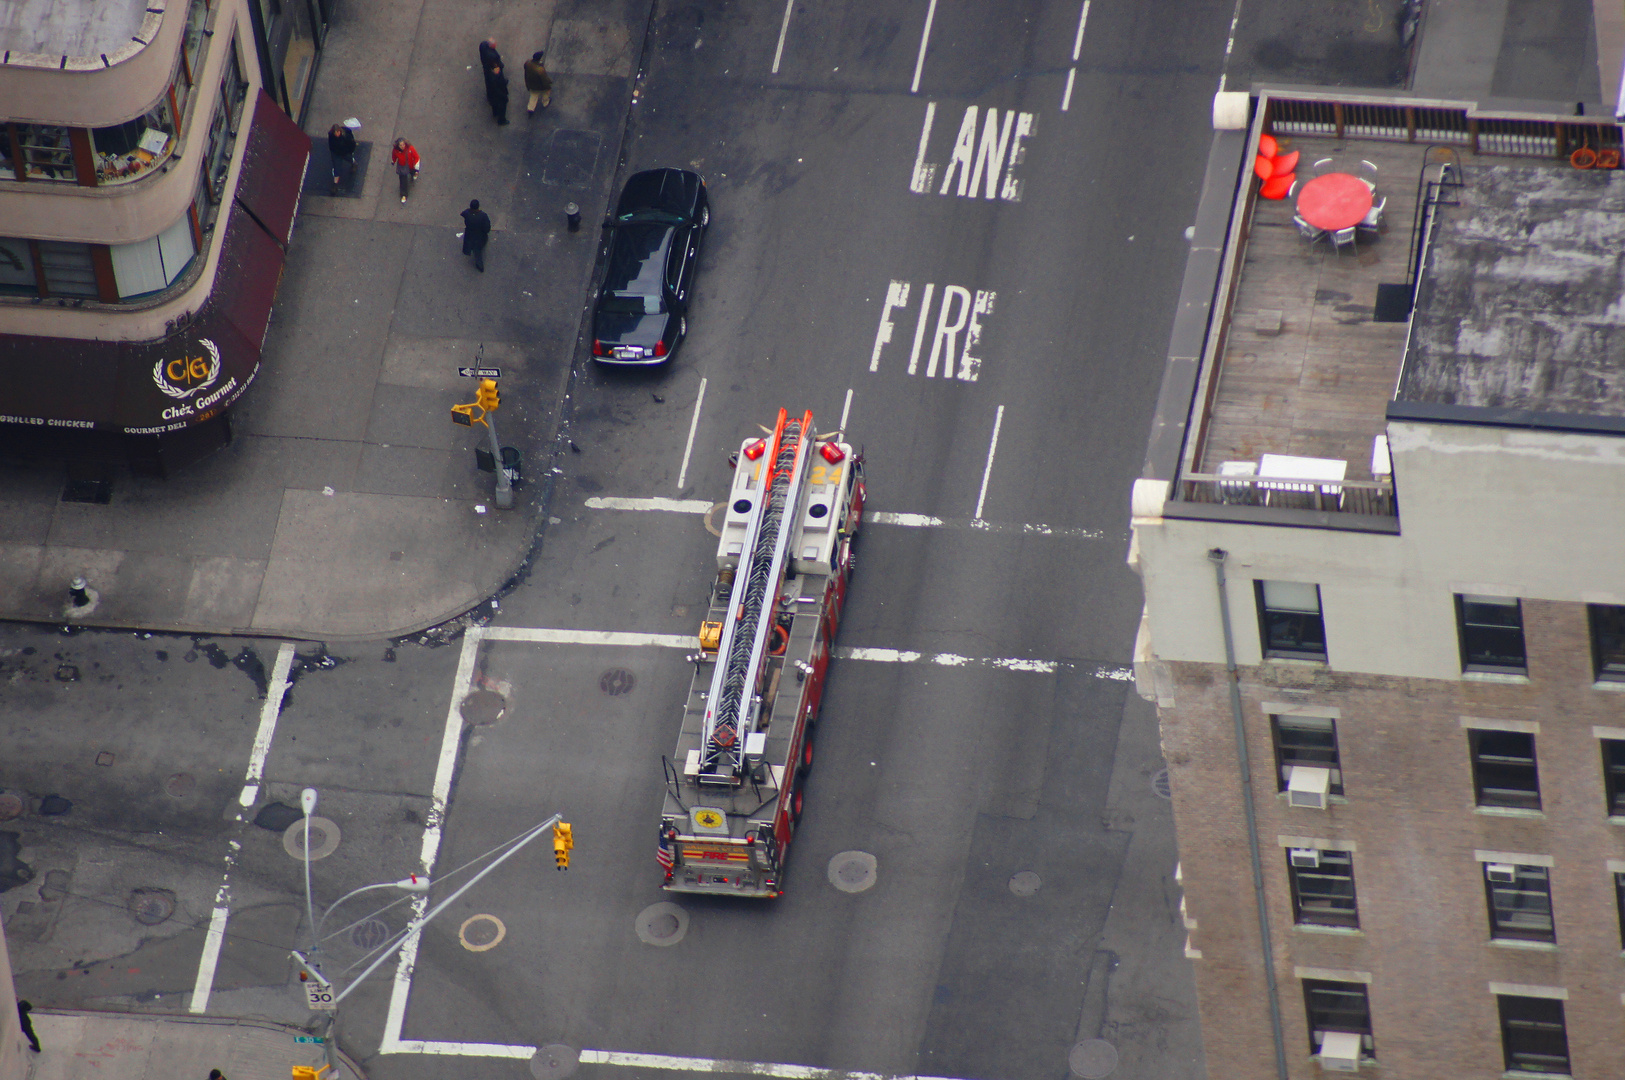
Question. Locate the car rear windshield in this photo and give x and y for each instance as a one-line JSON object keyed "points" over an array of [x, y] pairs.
{"points": [[633, 304]]}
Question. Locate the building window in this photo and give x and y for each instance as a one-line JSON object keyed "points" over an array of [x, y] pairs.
{"points": [[1520, 901], [1289, 616], [197, 14], [1322, 887], [1491, 634], [153, 265], [223, 126], [1337, 1007], [69, 269], [1308, 742], [1613, 775], [1504, 772], [1619, 901], [130, 150], [44, 152], [1608, 641], [17, 275], [1533, 1036]]}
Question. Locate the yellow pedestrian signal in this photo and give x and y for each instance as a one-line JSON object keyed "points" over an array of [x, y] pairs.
{"points": [[488, 398], [464, 414], [562, 843], [305, 1072]]}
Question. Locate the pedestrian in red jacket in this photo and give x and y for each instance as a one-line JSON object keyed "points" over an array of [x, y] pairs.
{"points": [[407, 162]]}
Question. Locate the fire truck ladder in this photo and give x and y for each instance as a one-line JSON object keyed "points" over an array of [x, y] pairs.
{"points": [[745, 631]]}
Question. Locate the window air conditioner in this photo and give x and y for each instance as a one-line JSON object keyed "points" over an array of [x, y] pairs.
{"points": [[1305, 858], [1340, 1051], [1307, 785], [1503, 873]]}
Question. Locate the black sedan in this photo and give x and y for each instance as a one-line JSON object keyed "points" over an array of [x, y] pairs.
{"points": [[654, 251]]}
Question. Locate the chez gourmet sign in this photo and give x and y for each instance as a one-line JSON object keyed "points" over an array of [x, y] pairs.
{"points": [[195, 383]]}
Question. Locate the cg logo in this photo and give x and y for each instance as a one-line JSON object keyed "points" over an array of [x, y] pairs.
{"points": [[182, 378]]}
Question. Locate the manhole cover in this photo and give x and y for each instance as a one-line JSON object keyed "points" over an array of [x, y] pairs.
{"points": [[370, 934], [180, 785], [554, 1061], [480, 933], [1159, 784], [152, 906], [661, 924], [484, 707], [1092, 1059], [617, 681], [852, 871], [324, 839], [1025, 883], [11, 806]]}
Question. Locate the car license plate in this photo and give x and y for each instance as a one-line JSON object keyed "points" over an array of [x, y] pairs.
{"points": [[627, 352]]}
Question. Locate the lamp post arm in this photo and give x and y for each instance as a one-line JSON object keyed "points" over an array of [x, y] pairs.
{"points": [[423, 920], [409, 884]]}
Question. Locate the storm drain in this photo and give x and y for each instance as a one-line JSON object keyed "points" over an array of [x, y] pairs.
{"points": [[1160, 784]]}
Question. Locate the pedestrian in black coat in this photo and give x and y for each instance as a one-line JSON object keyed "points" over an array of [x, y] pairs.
{"points": [[23, 1009], [341, 148], [489, 57], [496, 92], [476, 231]]}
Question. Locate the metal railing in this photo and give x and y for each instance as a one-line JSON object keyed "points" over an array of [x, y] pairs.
{"points": [[1371, 497], [1440, 123]]}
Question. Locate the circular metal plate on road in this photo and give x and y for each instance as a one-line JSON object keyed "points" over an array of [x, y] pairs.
{"points": [[711, 525], [617, 681], [554, 1061], [483, 707], [324, 839], [180, 785], [1092, 1059], [661, 924], [150, 907], [481, 933], [1025, 883], [1159, 784], [11, 806], [853, 871]]}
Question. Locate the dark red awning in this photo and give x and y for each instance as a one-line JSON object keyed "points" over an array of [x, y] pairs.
{"points": [[273, 168]]}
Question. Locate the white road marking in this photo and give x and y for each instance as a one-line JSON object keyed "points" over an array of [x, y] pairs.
{"points": [[845, 410], [693, 426], [872, 517], [920, 181], [1077, 42], [275, 690], [919, 327], [544, 636], [1229, 46], [896, 297], [784, 28], [719, 1065], [1066, 98], [925, 39], [998, 421], [948, 333]]}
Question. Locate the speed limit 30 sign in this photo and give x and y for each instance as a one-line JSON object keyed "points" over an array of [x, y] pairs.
{"points": [[319, 995]]}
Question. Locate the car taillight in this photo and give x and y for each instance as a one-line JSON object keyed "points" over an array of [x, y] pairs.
{"points": [[660, 348], [600, 349]]}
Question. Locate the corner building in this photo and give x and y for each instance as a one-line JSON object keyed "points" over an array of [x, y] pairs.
{"points": [[148, 187], [1379, 530]]}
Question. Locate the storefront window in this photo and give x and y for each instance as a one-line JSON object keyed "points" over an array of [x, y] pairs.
{"points": [[8, 161], [228, 115], [196, 15], [153, 265], [46, 152], [130, 150], [68, 268], [17, 268]]}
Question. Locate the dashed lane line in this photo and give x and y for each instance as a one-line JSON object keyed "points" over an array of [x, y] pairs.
{"points": [[870, 517]]}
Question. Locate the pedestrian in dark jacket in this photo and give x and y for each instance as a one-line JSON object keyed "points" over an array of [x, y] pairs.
{"points": [[476, 231], [23, 1009], [496, 93], [538, 83], [489, 57], [407, 163], [341, 148]]}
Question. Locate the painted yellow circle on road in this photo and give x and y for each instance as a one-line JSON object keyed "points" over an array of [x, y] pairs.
{"points": [[709, 819], [479, 944]]}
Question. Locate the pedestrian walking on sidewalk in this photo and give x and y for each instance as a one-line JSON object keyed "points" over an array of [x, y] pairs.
{"points": [[23, 1009], [341, 148], [539, 84], [476, 231], [407, 162], [216, 1074], [496, 94], [489, 57]]}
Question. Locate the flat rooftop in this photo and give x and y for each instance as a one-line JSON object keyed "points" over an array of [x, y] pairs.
{"points": [[69, 27], [1522, 300]]}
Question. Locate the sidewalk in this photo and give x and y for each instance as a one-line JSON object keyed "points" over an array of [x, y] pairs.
{"points": [[130, 1046], [348, 505]]}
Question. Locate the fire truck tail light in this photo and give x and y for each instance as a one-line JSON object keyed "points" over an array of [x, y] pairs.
{"points": [[832, 453], [755, 448]]}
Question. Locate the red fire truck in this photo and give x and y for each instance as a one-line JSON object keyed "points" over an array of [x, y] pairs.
{"points": [[734, 788]]}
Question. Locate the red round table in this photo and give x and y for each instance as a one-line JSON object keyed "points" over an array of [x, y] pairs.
{"points": [[1334, 201]]}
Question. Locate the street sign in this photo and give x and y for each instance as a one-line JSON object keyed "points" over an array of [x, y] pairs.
{"points": [[319, 995], [317, 1039], [480, 372]]}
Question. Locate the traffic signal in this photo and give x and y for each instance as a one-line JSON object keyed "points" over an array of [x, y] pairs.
{"points": [[562, 843], [488, 398]]}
